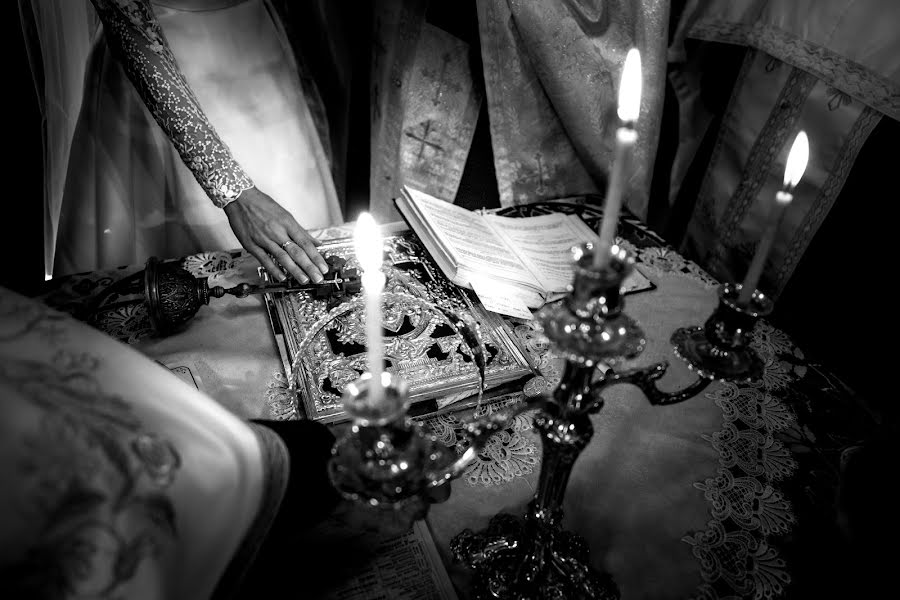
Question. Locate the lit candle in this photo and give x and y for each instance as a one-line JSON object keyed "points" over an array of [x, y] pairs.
{"points": [[626, 136], [369, 254], [796, 165]]}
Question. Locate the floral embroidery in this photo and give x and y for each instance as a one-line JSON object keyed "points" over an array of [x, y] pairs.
{"points": [[739, 559], [128, 323], [209, 264], [82, 464], [751, 503], [746, 506]]}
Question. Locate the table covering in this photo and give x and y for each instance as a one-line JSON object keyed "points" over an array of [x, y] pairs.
{"points": [[731, 493]]}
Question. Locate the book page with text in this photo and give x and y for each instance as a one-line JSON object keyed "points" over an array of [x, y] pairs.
{"points": [[544, 243], [406, 567], [473, 244]]}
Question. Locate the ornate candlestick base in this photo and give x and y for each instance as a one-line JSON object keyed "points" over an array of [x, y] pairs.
{"points": [[505, 554], [534, 557], [720, 349], [385, 461]]}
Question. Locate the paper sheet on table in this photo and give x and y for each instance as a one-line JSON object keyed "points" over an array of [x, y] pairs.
{"points": [[500, 299], [408, 567], [185, 374]]}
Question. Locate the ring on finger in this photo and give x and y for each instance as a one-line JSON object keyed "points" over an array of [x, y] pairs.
{"points": [[287, 243]]}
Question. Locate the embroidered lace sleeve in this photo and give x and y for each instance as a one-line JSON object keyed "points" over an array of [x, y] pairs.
{"points": [[137, 41]]}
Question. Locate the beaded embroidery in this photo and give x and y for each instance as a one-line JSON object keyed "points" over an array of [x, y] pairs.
{"points": [[137, 41]]}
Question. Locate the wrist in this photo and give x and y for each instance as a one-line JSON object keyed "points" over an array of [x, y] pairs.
{"points": [[231, 203], [227, 194]]}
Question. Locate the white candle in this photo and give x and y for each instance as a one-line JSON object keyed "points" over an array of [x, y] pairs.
{"points": [[626, 136], [370, 255], [796, 165]]}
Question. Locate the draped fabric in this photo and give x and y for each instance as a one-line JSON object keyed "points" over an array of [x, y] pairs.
{"points": [[550, 72], [58, 37], [829, 67], [551, 75], [185, 104], [112, 462]]}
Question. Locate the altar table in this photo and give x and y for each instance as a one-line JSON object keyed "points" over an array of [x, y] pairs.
{"points": [[731, 493]]}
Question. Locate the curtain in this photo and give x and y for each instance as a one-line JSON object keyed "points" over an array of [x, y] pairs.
{"points": [[58, 37]]}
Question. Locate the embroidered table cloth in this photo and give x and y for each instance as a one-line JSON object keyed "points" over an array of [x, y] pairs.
{"points": [[713, 497]]}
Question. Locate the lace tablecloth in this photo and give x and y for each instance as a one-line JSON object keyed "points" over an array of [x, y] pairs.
{"points": [[727, 494]]}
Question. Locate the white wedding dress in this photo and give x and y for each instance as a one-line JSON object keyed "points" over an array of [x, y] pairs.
{"points": [[239, 117]]}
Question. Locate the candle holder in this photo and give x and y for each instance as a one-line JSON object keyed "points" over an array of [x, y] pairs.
{"points": [[384, 459], [720, 349], [387, 461], [533, 557]]}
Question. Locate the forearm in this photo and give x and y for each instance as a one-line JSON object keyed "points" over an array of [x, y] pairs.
{"points": [[137, 41]]}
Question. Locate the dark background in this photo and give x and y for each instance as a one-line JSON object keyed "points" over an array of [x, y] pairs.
{"points": [[21, 218]]}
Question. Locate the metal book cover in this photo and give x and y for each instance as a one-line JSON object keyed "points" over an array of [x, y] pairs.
{"points": [[420, 346]]}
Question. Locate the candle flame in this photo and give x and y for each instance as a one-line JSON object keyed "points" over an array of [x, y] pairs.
{"points": [[368, 244], [797, 160], [630, 87]]}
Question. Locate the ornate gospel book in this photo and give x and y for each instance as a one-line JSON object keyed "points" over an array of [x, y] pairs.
{"points": [[420, 345]]}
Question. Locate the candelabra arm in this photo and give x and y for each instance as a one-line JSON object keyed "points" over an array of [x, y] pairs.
{"points": [[645, 379]]}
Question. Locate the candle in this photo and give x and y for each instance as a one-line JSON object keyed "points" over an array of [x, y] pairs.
{"points": [[369, 254], [796, 165], [626, 136]]}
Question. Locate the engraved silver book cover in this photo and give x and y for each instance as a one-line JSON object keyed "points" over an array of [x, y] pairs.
{"points": [[419, 345]]}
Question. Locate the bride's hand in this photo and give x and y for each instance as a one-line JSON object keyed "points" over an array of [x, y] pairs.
{"points": [[266, 229]]}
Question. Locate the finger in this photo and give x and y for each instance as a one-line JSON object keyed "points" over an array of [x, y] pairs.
{"points": [[308, 244], [300, 257], [285, 260], [266, 261], [313, 253]]}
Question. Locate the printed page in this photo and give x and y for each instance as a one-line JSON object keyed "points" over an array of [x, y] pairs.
{"points": [[504, 299], [636, 280], [407, 567], [544, 243], [474, 246]]}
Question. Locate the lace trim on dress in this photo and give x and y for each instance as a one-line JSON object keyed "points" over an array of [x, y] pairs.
{"points": [[137, 41]]}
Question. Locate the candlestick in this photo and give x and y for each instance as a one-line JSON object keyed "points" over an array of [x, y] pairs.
{"points": [[535, 557], [626, 136], [625, 140], [796, 165], [369, 254], [754, 272]]}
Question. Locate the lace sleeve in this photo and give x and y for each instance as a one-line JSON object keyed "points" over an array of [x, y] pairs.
{"points": [[136, 40]]}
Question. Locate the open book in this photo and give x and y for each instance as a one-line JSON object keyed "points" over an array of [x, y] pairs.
{"points": [[529, 258]]}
